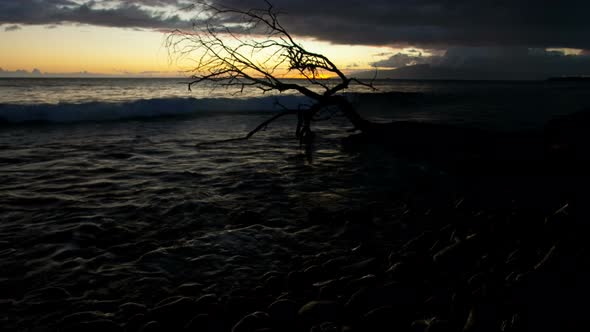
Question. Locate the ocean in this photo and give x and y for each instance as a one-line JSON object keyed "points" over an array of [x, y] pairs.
{"points": [[105, 196]]}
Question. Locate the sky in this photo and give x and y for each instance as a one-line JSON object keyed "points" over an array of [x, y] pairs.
{"points": [[462, 39]]}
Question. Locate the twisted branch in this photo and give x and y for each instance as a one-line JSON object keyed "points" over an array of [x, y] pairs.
{"points": [[250, 48]]}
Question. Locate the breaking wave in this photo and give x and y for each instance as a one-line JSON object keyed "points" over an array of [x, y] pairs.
{"points": [[139, 109]]}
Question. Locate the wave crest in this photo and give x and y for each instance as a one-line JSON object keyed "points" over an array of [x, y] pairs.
{"points": [[140, 109]]}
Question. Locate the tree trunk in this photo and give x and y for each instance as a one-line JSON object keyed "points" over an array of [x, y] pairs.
{"points": [[351, 114]]}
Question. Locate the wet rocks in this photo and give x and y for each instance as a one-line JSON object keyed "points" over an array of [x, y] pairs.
{"points": [[284, 311], [175, 311], [478, 276], [253, 322], [315, 312], [246, 218]]}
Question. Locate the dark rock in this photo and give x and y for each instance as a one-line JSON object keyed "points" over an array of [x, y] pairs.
{"points": [[6, 304], [298, 281], [207, 303], [49, 294], [548, 259], [368, 280], [274, 284], [329, 290], [253, 322], [246, 218], [336, 264], [318, 216], [237, 306], [135, 322], [439, 325], [283, 310], [131, 309], [403, 297], [454, 257], [513, 324], [152, 326], [271, 274], [176, 313], [380, 320], [364, 266], [99, 325], [190, 289], [360, 301], [401, 271], [84, 316], [203, 323], [315, 312], [168, 300], [422, 242], [362, 217], [432, 325], [239, 292], [472, 322], [326, 327], [314, 273], [437, 304]]}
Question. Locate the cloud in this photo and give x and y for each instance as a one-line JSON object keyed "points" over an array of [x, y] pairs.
{"points": [[12, 28], [128, 14], [438, 23], [519, 63], [402, 60], [435, 24]]}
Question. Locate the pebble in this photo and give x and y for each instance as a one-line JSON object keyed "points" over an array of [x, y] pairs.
{"points": [[283, 310], [315, 312], [176, 313], [383, 318], [253, 322], [152, 326], [131, 308]]}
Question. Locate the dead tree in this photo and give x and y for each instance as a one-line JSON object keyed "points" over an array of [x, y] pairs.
{"points": [[238, 49]]}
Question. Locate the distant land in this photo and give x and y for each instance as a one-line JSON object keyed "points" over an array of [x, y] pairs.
{"points": [[37, 73]]}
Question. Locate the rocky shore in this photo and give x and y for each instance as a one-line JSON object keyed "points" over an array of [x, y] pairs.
{"points": [[510, 254], [468, 270]]}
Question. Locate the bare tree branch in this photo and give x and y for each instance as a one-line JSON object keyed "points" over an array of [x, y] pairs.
{"points": [[255, 50]]}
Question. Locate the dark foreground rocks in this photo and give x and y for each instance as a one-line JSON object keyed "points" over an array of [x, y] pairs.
{"points": [[560, 147], [487, 265], [467, 271]]}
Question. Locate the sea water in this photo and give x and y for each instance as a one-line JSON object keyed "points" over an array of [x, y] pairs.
{"points": [[104, 193]]}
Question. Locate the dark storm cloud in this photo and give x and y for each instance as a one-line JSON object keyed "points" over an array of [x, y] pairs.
{"points": [[438, 23], [102, 13], [401, 60], [424, 23], [486, 63]]}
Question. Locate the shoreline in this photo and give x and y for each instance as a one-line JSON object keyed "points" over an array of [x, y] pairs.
{"points": [[502, 252], [484, 271]]}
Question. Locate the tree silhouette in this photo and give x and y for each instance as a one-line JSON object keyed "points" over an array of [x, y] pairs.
{"points": [[237, 49]]}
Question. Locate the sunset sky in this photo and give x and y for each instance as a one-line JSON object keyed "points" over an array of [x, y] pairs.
{"points": [[422, 39]]}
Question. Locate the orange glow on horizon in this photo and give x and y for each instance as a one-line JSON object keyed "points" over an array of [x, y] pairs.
{"points": [[72, 49]]}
